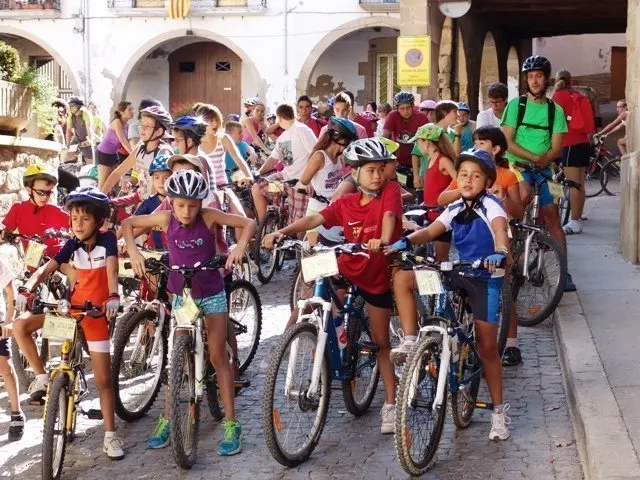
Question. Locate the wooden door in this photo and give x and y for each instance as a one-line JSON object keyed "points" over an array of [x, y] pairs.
{"points": [[618, 72], [205, 72]]}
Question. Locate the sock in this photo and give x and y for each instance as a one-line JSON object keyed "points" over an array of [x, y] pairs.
{"points": [[109, 435], [411, 338], [512, 342], [497, 408]]}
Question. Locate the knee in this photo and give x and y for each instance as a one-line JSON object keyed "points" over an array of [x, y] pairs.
{"points": [[218, 356], [19, 328], [5, 368], [402, 281], [487, 350], [103, 381]]}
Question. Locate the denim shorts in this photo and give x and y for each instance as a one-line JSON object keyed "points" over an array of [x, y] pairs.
{"points": [[545, 194], [209, 305]]}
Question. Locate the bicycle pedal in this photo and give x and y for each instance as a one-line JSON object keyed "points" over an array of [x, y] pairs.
{"points": [[92, 414], [37, 402], [240, 384], [484, 405]]}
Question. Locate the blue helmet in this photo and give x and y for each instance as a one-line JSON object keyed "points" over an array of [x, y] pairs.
{"points": [[463, 107], [92, 196], [195, 126], [343, 127], [483, 159], [159, 164], [404, 97]]}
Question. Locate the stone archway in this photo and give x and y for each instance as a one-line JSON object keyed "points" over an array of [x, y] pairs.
{"points": [[488, 69], [513, 73]]}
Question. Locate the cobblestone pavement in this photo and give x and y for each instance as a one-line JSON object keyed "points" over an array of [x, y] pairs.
{"points": [[542, 445]]}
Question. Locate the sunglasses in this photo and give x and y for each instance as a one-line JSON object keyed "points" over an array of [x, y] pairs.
{"points": [[43, 193]]}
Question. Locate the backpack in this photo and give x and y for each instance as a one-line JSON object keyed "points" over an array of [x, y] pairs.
{"points": [[580, 119], [522, 107]]}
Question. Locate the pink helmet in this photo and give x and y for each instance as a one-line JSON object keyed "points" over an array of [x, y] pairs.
{"points": [[427, 105]]}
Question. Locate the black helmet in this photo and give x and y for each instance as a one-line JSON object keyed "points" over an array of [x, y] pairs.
{"points": [[537, 63], [343, 127], [367, 150], [76, 102], [404, 97]]}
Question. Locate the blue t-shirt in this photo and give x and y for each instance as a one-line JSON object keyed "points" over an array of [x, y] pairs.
{"points": [[229, 165], [146, 208]]}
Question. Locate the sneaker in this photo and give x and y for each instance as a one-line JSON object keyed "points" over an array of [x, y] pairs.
{"points": [[38, 388], [499, 422], [112, 446], [388, 414], [232, 442], [572, 227], [511, 357], [399, 354], [159, 438], [569, 286], [16, 426]]}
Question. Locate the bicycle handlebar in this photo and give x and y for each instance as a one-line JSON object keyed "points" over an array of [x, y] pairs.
{"points": [[444, 267]]}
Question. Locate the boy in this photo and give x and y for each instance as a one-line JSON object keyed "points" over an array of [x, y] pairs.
{"points": [[16, 426], [234, 130], [159, 172], [479, 226], [95, 260]]}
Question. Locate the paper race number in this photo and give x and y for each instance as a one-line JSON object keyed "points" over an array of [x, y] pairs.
{"points": [[187, 313], [556, 189], [59, 328], [429, 282], [34, 253], [324, 264]]}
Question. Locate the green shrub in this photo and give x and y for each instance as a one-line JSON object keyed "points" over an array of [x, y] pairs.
{"points": [[44, 93], [9, 62]]}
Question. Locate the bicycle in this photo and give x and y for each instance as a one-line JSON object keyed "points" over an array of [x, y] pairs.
{"points": [[348, 357], [609, 168], [445, 353]]}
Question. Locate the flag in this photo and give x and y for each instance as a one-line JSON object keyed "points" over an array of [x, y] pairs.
{"points": [[179, 8]]}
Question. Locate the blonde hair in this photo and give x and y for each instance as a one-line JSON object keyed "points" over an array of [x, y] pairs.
{"points": [[445, 146], [563, 80]]}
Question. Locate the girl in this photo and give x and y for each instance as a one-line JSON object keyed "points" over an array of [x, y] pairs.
{"points": [[190, 231], [107, 151], [254, 128]]}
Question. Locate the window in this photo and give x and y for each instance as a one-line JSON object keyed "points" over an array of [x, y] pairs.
{"points": [[223, 66], [386, 77], [187, 67]]}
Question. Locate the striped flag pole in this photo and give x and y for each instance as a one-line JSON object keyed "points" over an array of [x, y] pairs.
{"points": [[179, 9]]}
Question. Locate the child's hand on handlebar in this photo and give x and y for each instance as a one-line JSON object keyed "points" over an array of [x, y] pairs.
{"points": [[112, 305], [137, 263], [400, 246], [495, 261], [270, 239], [375, 244]]}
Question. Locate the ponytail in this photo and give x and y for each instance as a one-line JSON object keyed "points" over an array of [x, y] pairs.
{"points": [[122, 106]]}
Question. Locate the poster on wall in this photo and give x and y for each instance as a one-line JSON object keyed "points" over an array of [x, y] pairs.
{"points": [[414, 61]]}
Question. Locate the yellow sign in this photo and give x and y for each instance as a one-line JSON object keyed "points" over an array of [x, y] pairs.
{"points": [[179, 8], [414, 61]]}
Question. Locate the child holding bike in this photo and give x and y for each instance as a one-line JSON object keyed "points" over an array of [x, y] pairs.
{"points": [[373, 217], [191, 240], [95, 260], [479, 225]]}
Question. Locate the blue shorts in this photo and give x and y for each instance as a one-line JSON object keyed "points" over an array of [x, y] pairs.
{"points": [[545, 194], [209, 305], [484, 295]]}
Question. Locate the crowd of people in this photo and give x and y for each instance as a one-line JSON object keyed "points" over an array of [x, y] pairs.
{"points": [[347, 168]]}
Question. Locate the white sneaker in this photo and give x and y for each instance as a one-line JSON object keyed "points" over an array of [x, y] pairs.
{"points": [[388, 414], [38, 388], [499, 422], [399, 354], [112, 446], [572, 227]]}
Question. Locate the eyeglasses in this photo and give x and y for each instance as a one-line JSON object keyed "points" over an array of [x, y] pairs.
{"points": [[43, 193]]}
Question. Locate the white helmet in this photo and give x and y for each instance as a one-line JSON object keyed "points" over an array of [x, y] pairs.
{"points": [[252, 102], [187, 184], [365, 151]]}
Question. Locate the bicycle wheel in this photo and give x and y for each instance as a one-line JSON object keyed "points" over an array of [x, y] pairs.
{"points": [[295, 291], [184, 408], [506, 306], [136, 366], [54, 439], [418, 427], [245, 314], [214, 399], [243, 270], [362, 368], [463, 400], [592, 185], [610, 178], [292, 422], [265, 259], [538, 296], [564, 206]]}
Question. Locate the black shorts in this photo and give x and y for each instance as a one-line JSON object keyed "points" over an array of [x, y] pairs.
{"points": [[484, 295], [577, 155], [107, 159], [445, 237], [379, 300], [5, 350]]}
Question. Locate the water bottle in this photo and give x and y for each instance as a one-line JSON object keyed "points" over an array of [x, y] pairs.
{"points": [[341, 334]]}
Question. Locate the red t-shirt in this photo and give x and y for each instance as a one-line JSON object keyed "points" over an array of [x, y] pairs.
{"points": [[316, 125], [366, 123], [362, 223], [435, 182], [402, 130], [563, 98], [29, 221]]}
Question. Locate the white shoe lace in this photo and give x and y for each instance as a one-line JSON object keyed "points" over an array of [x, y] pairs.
{"points": [[113, 443], [506, 420]]}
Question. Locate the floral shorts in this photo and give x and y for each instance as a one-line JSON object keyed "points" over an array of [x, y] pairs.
{"points": [[209, 305]]}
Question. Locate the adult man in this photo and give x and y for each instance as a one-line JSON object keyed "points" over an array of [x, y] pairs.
{"points": [[80, 130], [402, 124], [535, 137], [492, 117], [305, 110]]}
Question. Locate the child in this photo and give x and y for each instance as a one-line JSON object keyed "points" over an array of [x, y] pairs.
{"points": [[95, 259], [480, 231], [435, 145], [16, 427], [159, 171], [373, 217], [234, 130], [191, 240]]}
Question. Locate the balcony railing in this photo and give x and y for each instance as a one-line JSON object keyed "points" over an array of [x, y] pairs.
{"points": [[30, 5], [198, 7], [380, 5]]}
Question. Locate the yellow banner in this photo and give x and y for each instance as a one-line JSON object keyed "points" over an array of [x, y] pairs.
{"points": [[414, 61], [179, 8]]}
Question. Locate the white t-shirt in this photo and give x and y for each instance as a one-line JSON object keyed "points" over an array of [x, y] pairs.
{"points": [[487, 118], [134, 129], [293, 148], [6, 276]]}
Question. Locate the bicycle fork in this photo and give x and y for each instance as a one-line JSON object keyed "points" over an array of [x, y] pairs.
{"points": [[443, 371]]}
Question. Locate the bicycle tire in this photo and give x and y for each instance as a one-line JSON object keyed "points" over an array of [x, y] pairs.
{"points": [[295, 290], [247, 286], [506, 305], [268, 224], [564, 207], [463, 405], [271, 416], [430, 345], [610, 177], [529, 316], [214, 401], [592, 185], [182, 362], [355, 330], [127, 325], [56, 408]]}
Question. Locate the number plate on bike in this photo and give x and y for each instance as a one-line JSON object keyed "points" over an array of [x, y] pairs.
{"points": [[429, 282], [34, 253], [238, 176], [59, 328], [402, 178], [556, 189], [275, 187], [187, 313], [321, 265]]}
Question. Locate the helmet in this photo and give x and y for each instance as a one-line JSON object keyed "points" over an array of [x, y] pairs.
{"points": [[39, 171], [159, 114], [392, 146], [343, 127], [76, 102], [252, 102], [463, 107], [403, 97], [234, 117], [482, 158], [187, 184], [427, 105], [538, 63], [194, 125], [430, 131], [365, 151], [331, 101], [92, 196], [159, 164]]}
